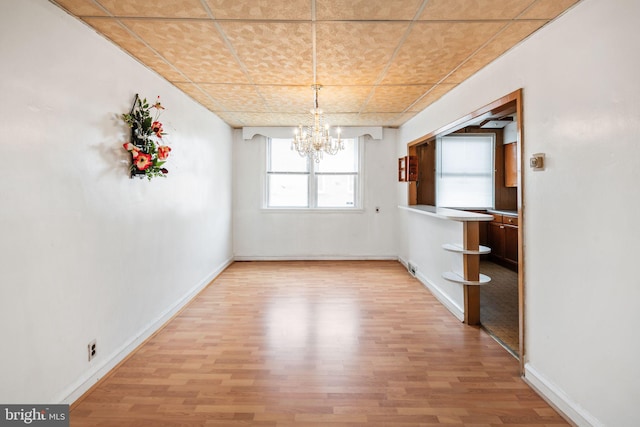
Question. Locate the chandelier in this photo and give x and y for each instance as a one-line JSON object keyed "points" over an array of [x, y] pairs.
{"points": [[314, 140]]}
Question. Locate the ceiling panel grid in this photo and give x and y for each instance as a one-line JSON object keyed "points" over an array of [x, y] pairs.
{"points": [[253, 62]]}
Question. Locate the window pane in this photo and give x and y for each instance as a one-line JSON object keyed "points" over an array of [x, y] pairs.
{"points": [[465, 192], [465, 171], [336, 191], [288, 190], [344, 161], [467, 155], [283, 159]]}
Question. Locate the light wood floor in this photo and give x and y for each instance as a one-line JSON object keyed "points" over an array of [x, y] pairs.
{"points": [[316, 344]]}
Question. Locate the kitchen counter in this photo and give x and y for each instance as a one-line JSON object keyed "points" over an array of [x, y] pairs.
{"points": [[445, 213], [502, 212], [453, 279]]}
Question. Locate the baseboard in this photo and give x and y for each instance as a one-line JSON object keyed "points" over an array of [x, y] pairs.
{"points": [[86, 382], [569, 409], [454, 308], [403, 261], [317, 258]]}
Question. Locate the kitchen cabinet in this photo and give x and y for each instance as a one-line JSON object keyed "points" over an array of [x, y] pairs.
{"points": [[407, 168], [511, 244], [511, 164], [502, 238]]}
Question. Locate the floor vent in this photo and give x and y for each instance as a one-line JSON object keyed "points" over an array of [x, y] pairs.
{"points": [[412, 269]]}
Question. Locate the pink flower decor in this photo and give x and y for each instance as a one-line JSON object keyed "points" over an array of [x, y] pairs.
{"points": [[132, 148], [148, 156], [157, 128], [143, 161], [163, 152]]}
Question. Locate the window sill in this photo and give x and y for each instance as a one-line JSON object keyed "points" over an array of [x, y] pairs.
{"points": [[312, 210]]}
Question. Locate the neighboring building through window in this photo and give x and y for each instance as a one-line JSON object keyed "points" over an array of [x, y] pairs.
{"points": [[298, 182], [465, 171]]}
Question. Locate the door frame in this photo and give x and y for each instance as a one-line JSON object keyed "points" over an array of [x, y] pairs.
{"points": [[508, 104]]}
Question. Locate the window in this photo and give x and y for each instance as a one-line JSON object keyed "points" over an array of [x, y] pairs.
{"points": [[297, 182], [464, 171]]}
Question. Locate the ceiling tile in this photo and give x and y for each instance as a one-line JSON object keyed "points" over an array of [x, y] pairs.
{"points": [[433, 49], [512, 35], [253, 64], [119, 35], [288, 99], [366, 9], [236, 97], [274, 119], [156, 8], [394, 99], [547, 9], [454, 10], [233, 119], [341, 99], [273, 52], [299, 99], [193, 47], [199, 95], [430, 97], [261, 9], [361, 119], [402, 118], [355, 53], [82, 7]]}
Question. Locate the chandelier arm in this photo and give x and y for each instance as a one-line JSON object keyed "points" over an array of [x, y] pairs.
{"points": [[316, 139]]}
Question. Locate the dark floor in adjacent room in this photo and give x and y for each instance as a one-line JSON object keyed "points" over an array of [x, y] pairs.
{"points": [[499, 304]]}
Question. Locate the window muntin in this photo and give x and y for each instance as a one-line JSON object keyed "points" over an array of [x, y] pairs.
{"points": [[297, 182]]}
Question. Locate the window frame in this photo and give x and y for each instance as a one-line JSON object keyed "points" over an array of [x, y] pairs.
{"points": [[312, 182]]}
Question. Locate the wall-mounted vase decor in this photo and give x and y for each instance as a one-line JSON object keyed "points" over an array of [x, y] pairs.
{"points": [[148, 151]]}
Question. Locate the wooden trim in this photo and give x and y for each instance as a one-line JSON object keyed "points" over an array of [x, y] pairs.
{"points": [[471, 268], [413, 185], [521, 219], [495, 107], [505, 105], [511, 103]]}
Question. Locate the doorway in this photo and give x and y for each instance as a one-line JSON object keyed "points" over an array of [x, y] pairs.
{"points": [[504, 234]]}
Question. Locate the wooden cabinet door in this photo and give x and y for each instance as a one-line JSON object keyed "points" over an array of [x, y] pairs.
{"points": [[511, 243], [426, 185], [510, 165], [496, 239]]}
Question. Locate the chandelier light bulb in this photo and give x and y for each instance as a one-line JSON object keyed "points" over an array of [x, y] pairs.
{"points": [[315, 139]]}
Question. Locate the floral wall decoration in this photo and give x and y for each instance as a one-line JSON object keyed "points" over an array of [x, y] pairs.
{"points": [[148, 151]]}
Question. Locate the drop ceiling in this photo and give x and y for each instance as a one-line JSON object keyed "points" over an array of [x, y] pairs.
{"points": [[253, 62]]}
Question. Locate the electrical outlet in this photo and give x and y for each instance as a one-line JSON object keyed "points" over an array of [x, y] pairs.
{"points": [[412, 269], [92, 349]]}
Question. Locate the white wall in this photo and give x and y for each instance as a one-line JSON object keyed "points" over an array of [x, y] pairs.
{"points": [[425, 236], [581, 92], [85, 252], [262, 234]]}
